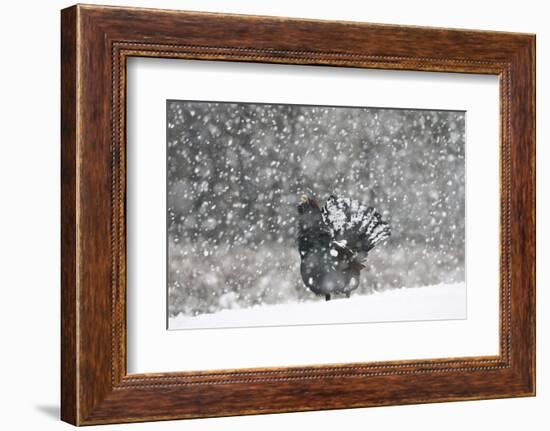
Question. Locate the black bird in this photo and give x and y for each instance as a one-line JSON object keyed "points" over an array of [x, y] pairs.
{"points": [[334, 242]]}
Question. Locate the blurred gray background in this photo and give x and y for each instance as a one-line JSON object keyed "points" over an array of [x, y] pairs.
{"points": [[235, 173]]}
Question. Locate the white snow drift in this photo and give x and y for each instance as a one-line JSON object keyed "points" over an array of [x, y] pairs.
{"points": [[439, 302]]}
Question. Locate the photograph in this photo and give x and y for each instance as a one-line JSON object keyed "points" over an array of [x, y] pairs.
{"points": [[302, 214], [287, 214]]}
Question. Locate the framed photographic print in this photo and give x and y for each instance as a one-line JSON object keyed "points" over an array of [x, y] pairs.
{"points": [[265, 215]]}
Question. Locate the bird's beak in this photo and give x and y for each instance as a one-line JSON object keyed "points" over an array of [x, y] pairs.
{"points": [[305, 199]]}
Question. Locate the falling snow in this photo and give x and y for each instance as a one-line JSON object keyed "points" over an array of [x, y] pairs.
{"points": [[236, 173]]}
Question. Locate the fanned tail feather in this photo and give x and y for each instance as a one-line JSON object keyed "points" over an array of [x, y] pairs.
{"points": [[380, 232], [354, 224]]}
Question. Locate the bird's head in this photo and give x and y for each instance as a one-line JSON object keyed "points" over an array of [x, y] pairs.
{"points": [[307, 205], [310, 224]]}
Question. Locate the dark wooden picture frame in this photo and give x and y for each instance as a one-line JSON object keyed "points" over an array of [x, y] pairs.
{"points": [[96, 41]]}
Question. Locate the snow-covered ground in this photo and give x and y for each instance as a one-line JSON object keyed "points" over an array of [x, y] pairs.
{"points": [[439, 302]]}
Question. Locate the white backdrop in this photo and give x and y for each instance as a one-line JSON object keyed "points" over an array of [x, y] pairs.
{"points": [[29, 225]]}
